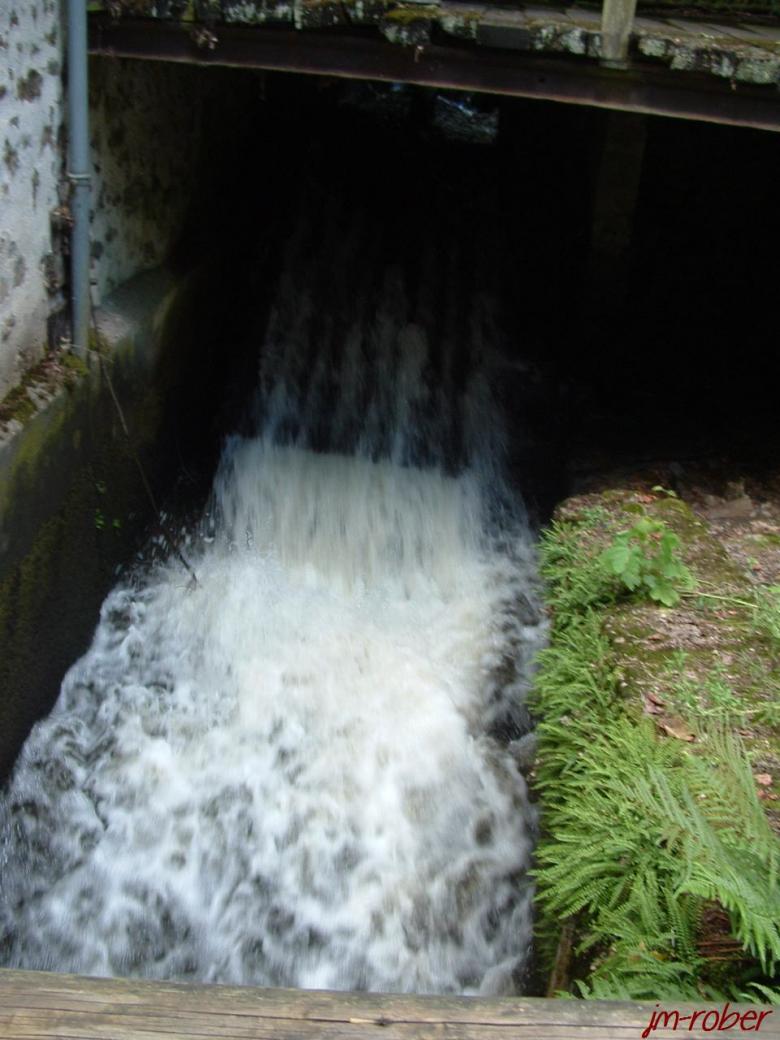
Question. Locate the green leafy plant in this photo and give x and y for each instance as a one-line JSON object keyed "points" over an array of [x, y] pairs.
{"points": [[768, 713], [646, 559], [644, 844], [101, 522], [711, 698], [580, 580], [766, 616]]}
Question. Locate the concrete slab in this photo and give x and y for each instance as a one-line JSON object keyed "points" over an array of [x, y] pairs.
{"points": [[501, 18], [644, 24], [764, 32], [582, 16], [460, 10], [546, 14]]}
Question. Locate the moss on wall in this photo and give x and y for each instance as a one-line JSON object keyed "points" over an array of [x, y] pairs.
{"points": [[72, 503]]}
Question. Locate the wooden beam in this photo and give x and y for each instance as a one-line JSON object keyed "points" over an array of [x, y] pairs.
{"points": [[617, 21], [42, 1004], [651, 90]]}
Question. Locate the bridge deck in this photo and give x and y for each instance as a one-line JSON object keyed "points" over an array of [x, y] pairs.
{"points": [[41, 1004], [691, 70]]}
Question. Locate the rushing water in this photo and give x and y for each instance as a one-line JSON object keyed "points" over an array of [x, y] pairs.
{"points": [[293, 772]]}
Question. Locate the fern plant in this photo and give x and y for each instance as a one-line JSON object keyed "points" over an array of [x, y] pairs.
{"points": [[640, 837], [766, 616], [581, 581]]}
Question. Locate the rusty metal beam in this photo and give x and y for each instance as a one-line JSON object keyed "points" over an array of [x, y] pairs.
{"points": [[365, 55]]}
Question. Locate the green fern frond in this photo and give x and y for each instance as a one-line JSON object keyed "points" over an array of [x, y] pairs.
{"points": [[638, 834]]}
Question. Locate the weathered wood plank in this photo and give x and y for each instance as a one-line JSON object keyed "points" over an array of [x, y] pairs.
{"points": [[617, 20], [36, 1005]]}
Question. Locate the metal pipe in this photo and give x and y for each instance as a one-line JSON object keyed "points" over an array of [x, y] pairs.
{"points": [[78, 173]]}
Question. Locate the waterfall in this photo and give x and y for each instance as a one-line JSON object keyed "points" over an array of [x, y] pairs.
{"points": [[292, 773]]}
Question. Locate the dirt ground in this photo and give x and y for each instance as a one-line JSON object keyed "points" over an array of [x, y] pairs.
{"points": [[703, 662]]}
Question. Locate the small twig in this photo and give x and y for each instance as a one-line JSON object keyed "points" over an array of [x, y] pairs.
{"points": [[712, 595]]}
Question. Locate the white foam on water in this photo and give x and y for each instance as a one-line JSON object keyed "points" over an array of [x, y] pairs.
{"points": [[285, 775]]}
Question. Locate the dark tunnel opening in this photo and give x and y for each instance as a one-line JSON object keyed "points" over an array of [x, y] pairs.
{"points": [[657, 347]]}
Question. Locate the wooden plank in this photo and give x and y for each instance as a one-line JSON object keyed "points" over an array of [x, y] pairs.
{"points": [[651, 90], [617, 21], [36, 1005]]}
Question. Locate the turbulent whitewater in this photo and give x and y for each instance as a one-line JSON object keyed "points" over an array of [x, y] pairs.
{"points": [[296, 771]]}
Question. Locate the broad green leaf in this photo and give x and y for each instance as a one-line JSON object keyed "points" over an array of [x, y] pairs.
{"points": [[617, 557], [632, 572]]}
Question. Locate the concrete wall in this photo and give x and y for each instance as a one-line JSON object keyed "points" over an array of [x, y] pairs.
{"points": [[72, 504], [147, 143], [30, 173], [146, 123], [56, 561]]}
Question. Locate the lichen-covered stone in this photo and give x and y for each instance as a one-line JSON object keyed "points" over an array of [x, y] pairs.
{"points": [[689, 47]]}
